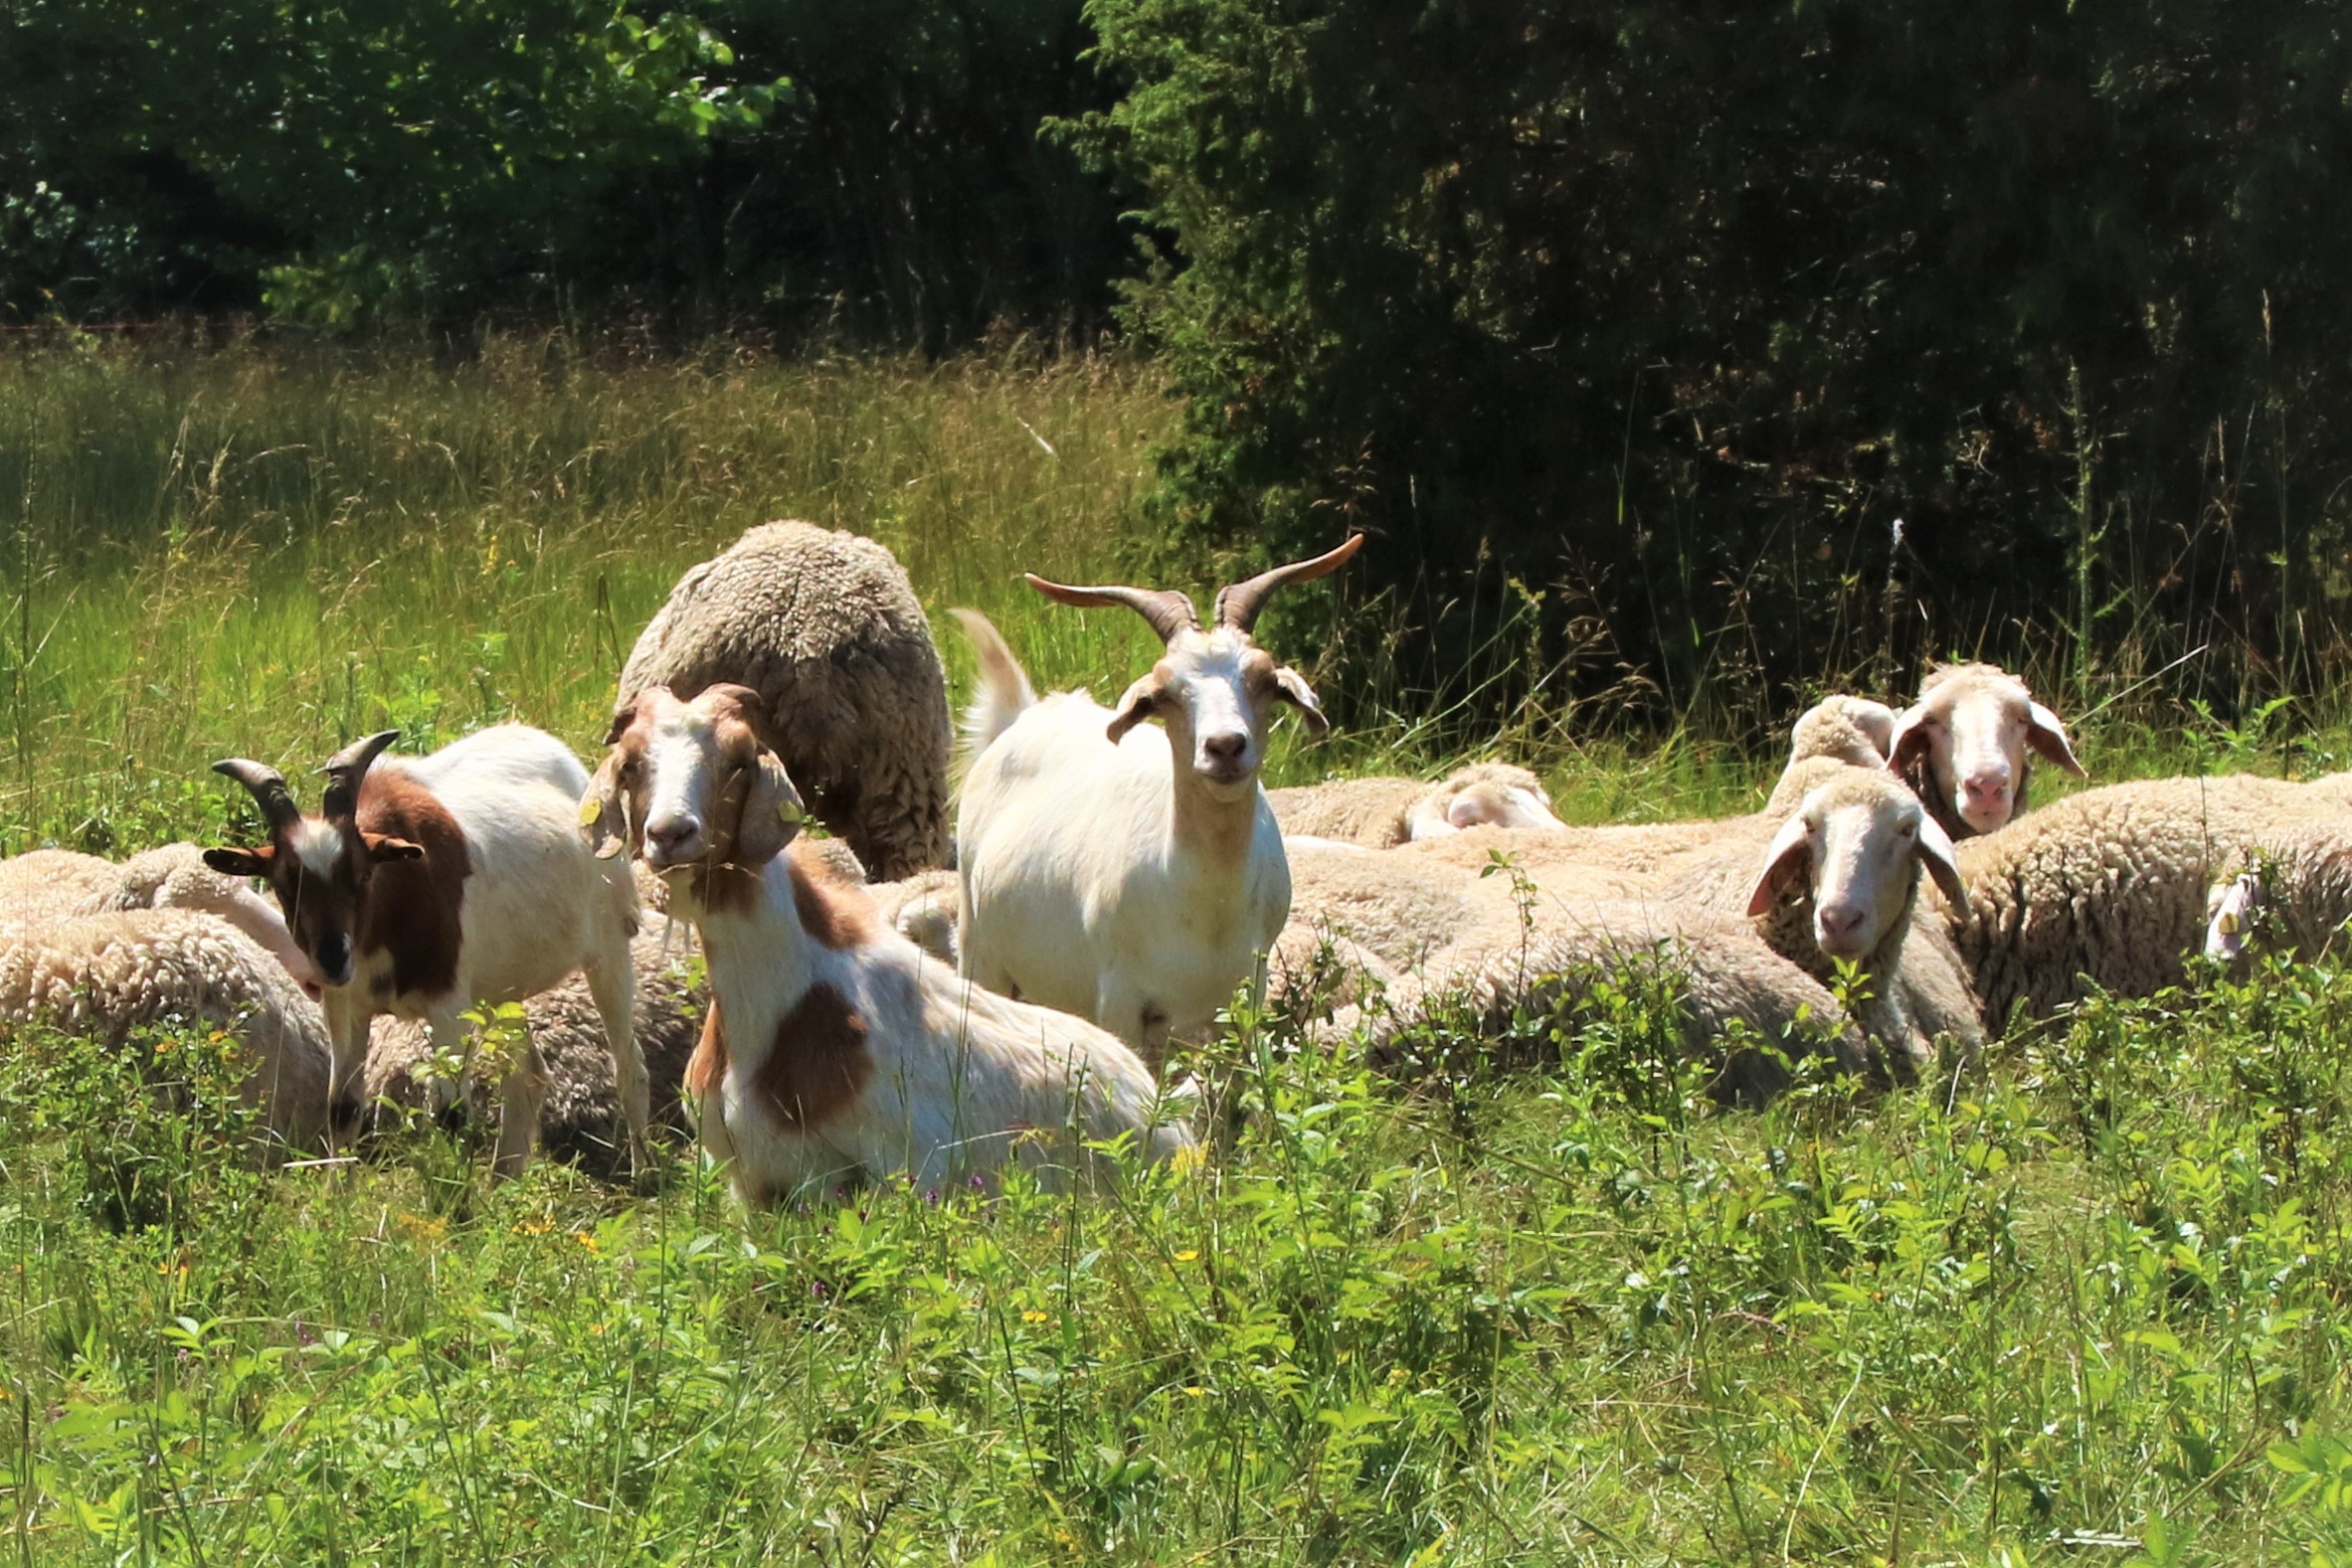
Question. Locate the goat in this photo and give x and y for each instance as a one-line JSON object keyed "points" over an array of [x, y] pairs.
{"points": [[1138, 882], [429, 885], [834, 1046]]}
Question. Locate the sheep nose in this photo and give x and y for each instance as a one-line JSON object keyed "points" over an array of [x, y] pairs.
{"points": [[1988, 786], [1841, 926]]}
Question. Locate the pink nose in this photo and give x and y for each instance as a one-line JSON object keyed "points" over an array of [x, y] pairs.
{"points": [[1987, 787], [669, 833], [1841, 926]]}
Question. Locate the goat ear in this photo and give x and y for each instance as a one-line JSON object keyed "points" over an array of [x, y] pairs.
{"points": [[1909, 742], [1942, 863], [383, 847], [2049, 737], [1139, 703], [771, 816], [242, 862], [1791, 852], [1290, 686], [604, 812]]}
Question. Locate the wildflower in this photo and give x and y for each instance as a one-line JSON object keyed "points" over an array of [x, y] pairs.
{"points": [[537, 1227], [1193, 1391], [588, 1240], [1188, 1159], [424, 1228], [1188, 1255], [1032, 1315]]}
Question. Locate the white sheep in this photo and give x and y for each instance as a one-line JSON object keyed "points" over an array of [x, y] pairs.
{"points": [[836, 1047], [1967, 746], [430, 885], [825, 628], [1852, 730], [1125, 872], [107, 974], [1380, 813]]}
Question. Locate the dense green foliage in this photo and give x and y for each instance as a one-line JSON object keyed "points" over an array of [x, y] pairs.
{"points": [[1670, 311]]}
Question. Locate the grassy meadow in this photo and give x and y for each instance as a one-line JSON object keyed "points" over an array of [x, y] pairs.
{"points": [[2080, 1304]]}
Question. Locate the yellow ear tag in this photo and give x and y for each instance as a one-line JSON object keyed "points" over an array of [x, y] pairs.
{"points": [[2228, 923], [592, 806], [788, 814]]}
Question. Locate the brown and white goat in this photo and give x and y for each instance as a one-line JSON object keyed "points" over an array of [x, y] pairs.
{"points": [[836, 1047], [1127, 872], [430, 885]]}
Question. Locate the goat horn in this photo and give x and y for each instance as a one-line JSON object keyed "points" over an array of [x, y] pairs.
{"points": [[265, 785], [1167, 610], [346, 768], [1239, 604]]}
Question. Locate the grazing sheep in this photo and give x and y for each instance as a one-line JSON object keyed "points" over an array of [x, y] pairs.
{"points": [[1380, 813], [1129, 873], [582, 1119], [824, 626], [1721, 971], [429, 885], [2110, 887], [108, 974], [834, 1046], [1965, 747]]}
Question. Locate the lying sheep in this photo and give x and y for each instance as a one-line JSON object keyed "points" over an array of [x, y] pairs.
{"points": [[46, 886], [1967, 746], [107, 974], [1851, 729], [1380, 813], [825, 628], [581, 1120]]}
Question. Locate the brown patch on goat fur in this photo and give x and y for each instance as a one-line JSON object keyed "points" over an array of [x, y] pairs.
{"points": [[706, 1069], [413, 907], [819, 1064]]}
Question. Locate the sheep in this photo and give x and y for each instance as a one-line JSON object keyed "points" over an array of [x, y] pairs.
{"points": [[110, 974], [2110, 887], [922, 909], [429, 885], [41, 887], [1379, 812], [826, 629], [1130, 874], [834, 1046], [46, 886], [581, 1119], [1853, 730], [1965, 747]]}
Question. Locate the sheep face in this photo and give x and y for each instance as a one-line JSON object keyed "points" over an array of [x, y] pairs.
{"points": [[691, 785], [1855, 849], [1489, 795], [1970, 730]]}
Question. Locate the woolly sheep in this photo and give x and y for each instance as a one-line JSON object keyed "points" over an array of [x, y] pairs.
{"points": [[825, 628], [108, 974], [1966, 746], [1379, 812], [1852, 730], [581, 1119]]}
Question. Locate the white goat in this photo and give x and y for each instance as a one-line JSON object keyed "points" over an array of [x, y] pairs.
{"points": [[835, 1047], [426, 886], [1129, 874]]}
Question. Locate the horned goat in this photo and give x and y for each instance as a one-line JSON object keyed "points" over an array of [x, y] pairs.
{"points": [[426, 886], [835, 1047], [1129, 873]]}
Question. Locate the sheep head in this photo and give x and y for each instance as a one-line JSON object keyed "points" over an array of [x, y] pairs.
{"points": [[1964, 744], [692, 786], [1214, 691], [1853, 850], [1483, 795], [319, 866]]}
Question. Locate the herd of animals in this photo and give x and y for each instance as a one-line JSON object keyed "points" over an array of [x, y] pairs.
{"points": [[864, 1012]]}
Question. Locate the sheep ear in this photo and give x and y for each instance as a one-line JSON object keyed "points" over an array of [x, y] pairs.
{"points": [[383, 847], [1937, 854], [604, 815], [770, 816], [2049, 737], [1290, 686], [1907, 742], [1139, 703], [1791, 852], [242, 862]]}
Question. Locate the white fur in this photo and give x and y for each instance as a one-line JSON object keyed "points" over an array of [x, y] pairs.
{"points": [[1967, 743], [538, 906], [1121, 882]]}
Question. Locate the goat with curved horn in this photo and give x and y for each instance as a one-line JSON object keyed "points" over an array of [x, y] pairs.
{"points": [[1239, 604], [346, 768], [265, 785], [1167, 610]]}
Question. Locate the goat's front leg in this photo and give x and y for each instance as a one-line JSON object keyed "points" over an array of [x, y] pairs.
{"points": [[611, 982], [1121, 1007], [347, 1020]]}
